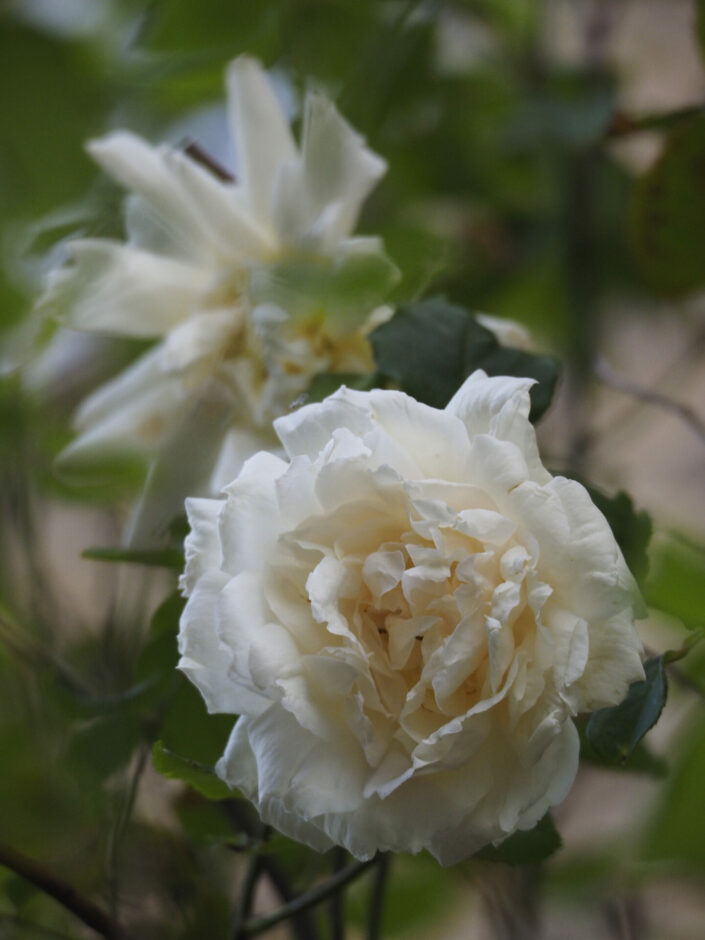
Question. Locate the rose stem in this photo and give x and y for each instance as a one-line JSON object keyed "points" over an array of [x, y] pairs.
{"points": [[322, 892], [63, 892], [337, 904], [301, 925], [374, 922], [247, 895]]}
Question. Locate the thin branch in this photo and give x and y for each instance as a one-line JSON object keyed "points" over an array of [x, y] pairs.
{"points": [[308, 900], [63, 892], [121, 825], [650, 397], [302, 925], [247, 896], [622, 125], [337, 904], [198, 153], [374, 920]]}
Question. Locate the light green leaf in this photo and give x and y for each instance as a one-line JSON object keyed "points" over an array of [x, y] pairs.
{"points": [[676, 582], [197, 775]]}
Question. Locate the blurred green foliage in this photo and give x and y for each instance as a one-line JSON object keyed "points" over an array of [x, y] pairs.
{"points": [[505, 194]]}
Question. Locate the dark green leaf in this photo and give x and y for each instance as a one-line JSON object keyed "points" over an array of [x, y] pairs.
{"points": [[189, 729], [160, 655], [429, 348], [641, 760], [613, 733], [668, 220], [197, 775], [525, 848], [157, 558]]}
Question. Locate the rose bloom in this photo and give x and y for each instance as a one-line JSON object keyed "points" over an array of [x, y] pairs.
{"points": [[248, 287], [406, 614]]}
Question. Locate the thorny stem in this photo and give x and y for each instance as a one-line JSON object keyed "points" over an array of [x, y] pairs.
{"points": [[304, 902], [63, 892]]}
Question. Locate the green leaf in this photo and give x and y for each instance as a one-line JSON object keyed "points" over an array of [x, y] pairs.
{"points": [[641, 760], [668, 219], [429, 348], [525, 848], [106, 744], [205, 823], [197, 775], [344, 292], [613, 733], [157, 558], [157, 663], [676, 582], [676, 832]]}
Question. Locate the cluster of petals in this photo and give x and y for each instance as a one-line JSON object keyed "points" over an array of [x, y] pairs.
{"points": [[211, 273], [406, 613]]}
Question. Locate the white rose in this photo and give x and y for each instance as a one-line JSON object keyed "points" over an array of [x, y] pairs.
{"points": [[507, 332], [230, 278], [406, 614]]}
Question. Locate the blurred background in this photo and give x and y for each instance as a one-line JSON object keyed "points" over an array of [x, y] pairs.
{"points": [[546, 164]]}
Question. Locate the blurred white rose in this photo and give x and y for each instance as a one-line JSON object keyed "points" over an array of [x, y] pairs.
{"points": [[407, 614], [507, 332], [249, 287]]}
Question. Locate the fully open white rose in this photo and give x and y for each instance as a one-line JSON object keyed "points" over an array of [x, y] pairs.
{"points": [[407, 614]]}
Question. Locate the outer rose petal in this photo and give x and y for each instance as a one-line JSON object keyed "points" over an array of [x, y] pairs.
{"points": [[112, 288]]}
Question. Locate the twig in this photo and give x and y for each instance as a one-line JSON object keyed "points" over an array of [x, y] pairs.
{"points": [[337, 904], [622, 125], [374, 920], [121, 825], [302, 925], [198, 153], [63, 892], [306, 901], [247, 896], [649, 397]]}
